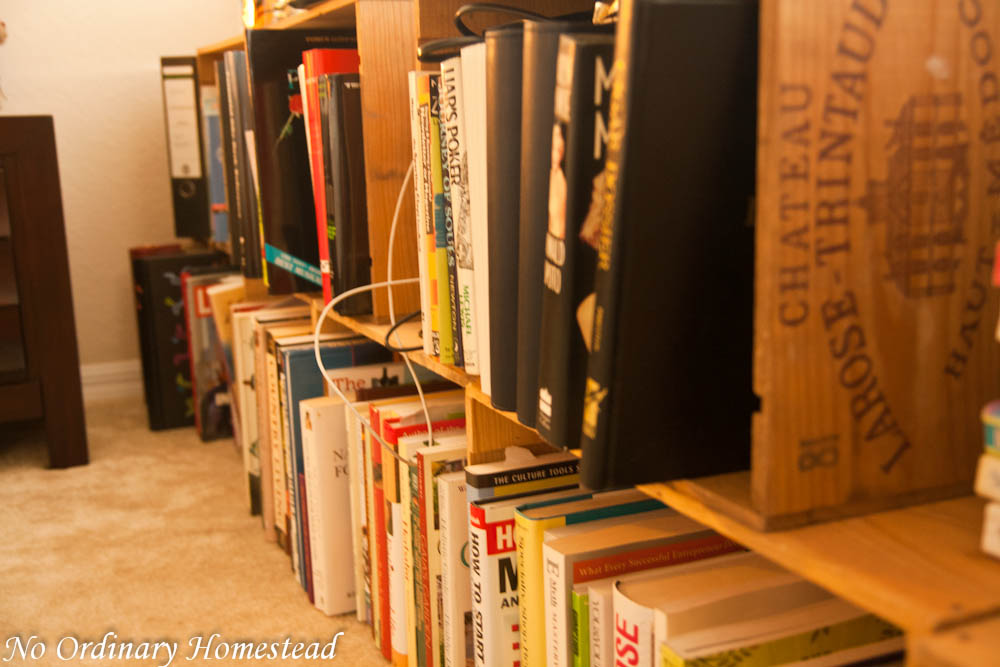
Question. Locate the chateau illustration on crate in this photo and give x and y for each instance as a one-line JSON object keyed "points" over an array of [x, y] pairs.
{"points": [[878, 211]]}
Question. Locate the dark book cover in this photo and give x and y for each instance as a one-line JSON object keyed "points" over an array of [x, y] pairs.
{"points": [[346, 197], [287, 212], [669, 386], [503, 150], [215, 167], [541, 46], [578, 142], [188, 180], [163, 336], [446, 100], [228, 166], [242, 206]]}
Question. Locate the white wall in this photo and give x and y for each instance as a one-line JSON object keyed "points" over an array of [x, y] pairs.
{"points": [[94, 66]]}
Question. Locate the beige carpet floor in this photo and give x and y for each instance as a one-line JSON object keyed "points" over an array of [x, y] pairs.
{"points": [[152, 541]]}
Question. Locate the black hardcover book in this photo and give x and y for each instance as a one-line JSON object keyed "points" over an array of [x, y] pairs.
{"points": [[226, 132], [166, 367], [287, 212], [503, 150], [577, 146], [188, 171], [541, 46], [346, 200], [243, 204], [669, 387]]}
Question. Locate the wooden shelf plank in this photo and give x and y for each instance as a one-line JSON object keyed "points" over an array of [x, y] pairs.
{"points": [[919, 567], [968, 645], [329, 14]]}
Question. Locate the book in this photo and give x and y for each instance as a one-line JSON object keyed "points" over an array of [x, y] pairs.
{"points": [[541, 50], [493, 565], [991, 529], [656, 538], [525, 469], [988, 476], [474, 119], [419, 143], [347, 207], [226, 155], [209, 379], [214, 166], [453, 118], [166, 368], [578, 143], [316, 63], [456, 614], [446, 105], [324, 453], [244, 205], [664, 208], [439, 269], [504, 46], [287, 208], [446, 456], [182, 113], [530, 525]]}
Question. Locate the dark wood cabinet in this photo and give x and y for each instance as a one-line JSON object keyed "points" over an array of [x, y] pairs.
{"points": [[39, 361]]}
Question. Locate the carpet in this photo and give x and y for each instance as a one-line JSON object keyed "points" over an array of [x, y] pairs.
{"points": [[151, 541]]}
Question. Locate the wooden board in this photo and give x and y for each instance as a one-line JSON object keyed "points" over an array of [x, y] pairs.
{"points": [[970, 645], [491, 430], [919, 567], [878, 212]]}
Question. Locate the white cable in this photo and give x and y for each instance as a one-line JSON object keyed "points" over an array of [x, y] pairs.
{"points": [[392, 317]]}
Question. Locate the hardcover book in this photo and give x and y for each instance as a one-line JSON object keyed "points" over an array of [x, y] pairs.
{"points": [[674, 243], [456, 614], [419, 142], [287, 210], [525, 469], [215, 169], [576, 184], [229, 174]]}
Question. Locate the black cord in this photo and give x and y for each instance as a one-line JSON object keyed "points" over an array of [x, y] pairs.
{"points": [[475, 7], [392, 330], [441, 49]]}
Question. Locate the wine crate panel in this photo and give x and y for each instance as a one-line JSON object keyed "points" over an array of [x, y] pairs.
{"points": [[877, 216]]}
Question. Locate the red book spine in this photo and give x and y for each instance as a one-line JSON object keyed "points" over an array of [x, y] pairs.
{"points": [[318, 62]]}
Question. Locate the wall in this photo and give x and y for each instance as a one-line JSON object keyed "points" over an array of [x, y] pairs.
{"points": [[94, 66]]}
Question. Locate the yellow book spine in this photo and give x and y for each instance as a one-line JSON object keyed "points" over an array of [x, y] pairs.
{"points": [[529, 536]]}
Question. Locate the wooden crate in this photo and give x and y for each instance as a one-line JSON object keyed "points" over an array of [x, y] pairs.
{"points": [[877, 216]]}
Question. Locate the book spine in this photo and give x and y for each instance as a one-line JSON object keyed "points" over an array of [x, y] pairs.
{"points": [[494, 587], [310, 487], [458, 170], [580, 627], [425, 600], [420, 208], [420, 621], [991, 530], [289, 483], [371, 546], [305, 546], [260, 380], [988, 477], [409, 564], [601, 619], [440, 284], [359, 523], [633, 640], [454, 309], [555, 580], [397, 596], [532, 594], [597, 451], [277, 454], [325, 233], [425, 86], [381, 546], [314, 144], [455, 581]]}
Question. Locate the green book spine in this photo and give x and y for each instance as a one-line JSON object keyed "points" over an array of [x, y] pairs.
{"points": [[581, 629]]}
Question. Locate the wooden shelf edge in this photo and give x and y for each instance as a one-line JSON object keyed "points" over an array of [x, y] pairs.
{"points": [[329, 14], [919, 567], [216, 50], [969, 645]]}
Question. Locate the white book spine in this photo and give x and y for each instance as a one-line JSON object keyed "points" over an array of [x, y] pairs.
{"points": [[316, 539], [601, 625], [397, 595], [452, 115], [372, 574], [474, 112], [359, 523], [633, 631], [991, 529], [455, 584], [406, 528], [988, 477], [557, 631], [421, 196], [290, 476], [494, 587], [277, 453]]}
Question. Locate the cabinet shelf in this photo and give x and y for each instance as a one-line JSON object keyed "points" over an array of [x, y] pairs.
{"points": [[919, 567], [972, 644]]}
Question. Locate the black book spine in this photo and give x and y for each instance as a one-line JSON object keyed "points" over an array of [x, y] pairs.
{"points": [[669, 387], [503, 150], [252, 242], [446, 100], [346, 195], [226, 131], [579, 141]]}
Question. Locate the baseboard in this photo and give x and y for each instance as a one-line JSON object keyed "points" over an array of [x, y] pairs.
{"points": [[113, 379]]}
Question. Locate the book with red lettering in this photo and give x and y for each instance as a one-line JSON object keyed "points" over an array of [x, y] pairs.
{"points": [[493, 558], [654, 539], [317, 62]]}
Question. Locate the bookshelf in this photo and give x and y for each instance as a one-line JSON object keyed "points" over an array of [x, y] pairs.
{"points": [[919, 567]]}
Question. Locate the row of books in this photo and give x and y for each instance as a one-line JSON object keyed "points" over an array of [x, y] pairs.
{"points": [[987, 482], [570, 228], [283, 140]]}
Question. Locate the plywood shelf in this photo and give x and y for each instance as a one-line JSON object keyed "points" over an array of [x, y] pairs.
{"points": [[973, 644], [328, 14], [919, 567]]}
